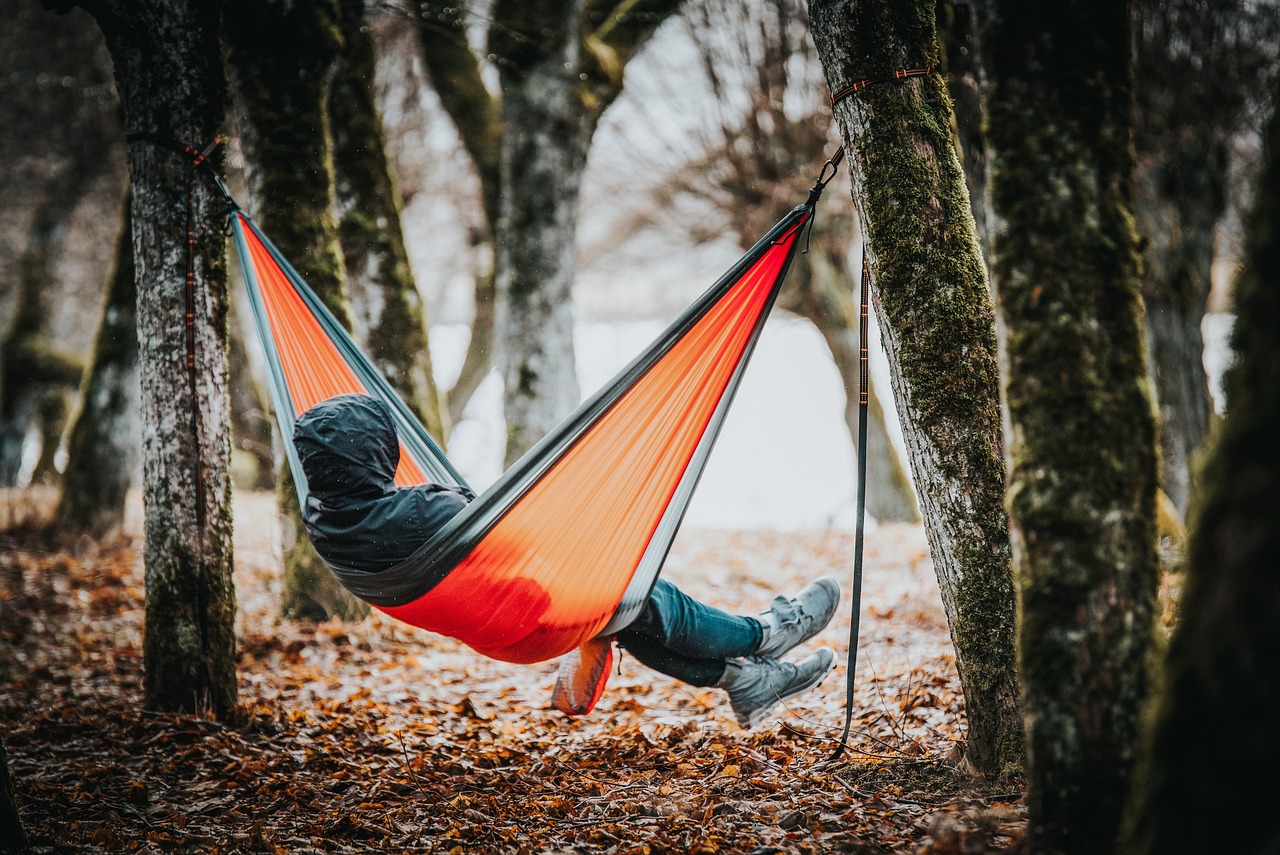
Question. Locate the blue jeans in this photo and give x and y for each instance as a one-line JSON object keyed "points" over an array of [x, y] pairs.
{"points": [[683, 638]]}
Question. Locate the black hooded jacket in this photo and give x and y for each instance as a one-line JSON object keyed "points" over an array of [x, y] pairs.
{"points": [[357, 518]]}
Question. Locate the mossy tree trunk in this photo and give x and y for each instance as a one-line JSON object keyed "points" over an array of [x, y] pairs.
{"points": [[389, 314], [1082, 481], [960, 34], [1221, 666], [103, 452], [169, 75], [937, 321], [559, 68], [283, 58]]}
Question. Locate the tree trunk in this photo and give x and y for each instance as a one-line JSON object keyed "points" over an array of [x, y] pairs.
{"points": [[1222, 657], [960, 30], [389, 315], [544, 152], [1082, 483], [13, 837], [559, 68], [283, 57], [1184, 129], [104, 448], [37, 376], [169, 75], [930, 292], [479, 357], [455, 74], [252, 428]]}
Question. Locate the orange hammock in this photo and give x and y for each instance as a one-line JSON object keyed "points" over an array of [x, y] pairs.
{"points": [[566, 545]]}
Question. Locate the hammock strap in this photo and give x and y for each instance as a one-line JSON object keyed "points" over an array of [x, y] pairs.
{"points": [[197, 158], [898, 75], [833, 162], [863, 397]]}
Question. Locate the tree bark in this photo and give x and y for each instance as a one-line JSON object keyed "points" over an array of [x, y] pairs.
{"points": [[104, 449], [455, 74], [559, 68], [930, 293], [389, 314], [1221, 659], [1082, 483], [283, 58], [169, 76]]}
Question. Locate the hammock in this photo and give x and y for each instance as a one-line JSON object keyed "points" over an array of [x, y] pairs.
{"points": [[565, 546]]}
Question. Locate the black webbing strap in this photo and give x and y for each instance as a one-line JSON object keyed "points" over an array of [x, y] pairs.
{"points": [[197, 158], [863, 397], [899, 75]]}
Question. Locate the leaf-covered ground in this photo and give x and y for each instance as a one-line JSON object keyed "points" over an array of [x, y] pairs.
{"points": [[376, 737]]}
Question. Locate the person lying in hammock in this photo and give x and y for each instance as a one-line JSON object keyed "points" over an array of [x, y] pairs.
{"points": [[359, 519]]}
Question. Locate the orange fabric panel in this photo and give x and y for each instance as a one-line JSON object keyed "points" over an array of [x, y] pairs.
{"points": [[551, 572], [314, 368]]}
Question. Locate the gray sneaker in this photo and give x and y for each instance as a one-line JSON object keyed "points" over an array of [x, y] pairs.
{"points": [[756, 685], [802, 617]]}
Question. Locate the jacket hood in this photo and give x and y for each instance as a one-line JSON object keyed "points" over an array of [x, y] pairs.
{"points": [[348, 447]]}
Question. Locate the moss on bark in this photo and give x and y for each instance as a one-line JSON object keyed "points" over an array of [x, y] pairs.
{"points": [[1082, 484], [930, 293]]}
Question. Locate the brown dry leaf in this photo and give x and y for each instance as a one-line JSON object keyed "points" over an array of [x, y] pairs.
{"points": [[375, 736]]}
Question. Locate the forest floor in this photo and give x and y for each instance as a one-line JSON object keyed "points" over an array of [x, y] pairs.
{"points": [[375, 736]]}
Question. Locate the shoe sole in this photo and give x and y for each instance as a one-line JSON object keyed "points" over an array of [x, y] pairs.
{"points": [[763, 713]]}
